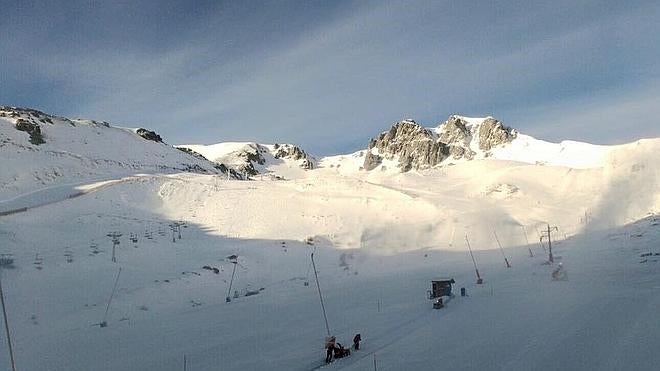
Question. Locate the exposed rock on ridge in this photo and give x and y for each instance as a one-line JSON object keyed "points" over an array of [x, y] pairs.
{"points": [[149, 135], [417, 147], [493, 133], [292, 152]]}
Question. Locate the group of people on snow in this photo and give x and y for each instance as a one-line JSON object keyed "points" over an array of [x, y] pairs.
{"points": [[335, 349]]}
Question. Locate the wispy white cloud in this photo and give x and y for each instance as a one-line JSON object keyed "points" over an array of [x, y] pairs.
{"points": [[332, 83]]}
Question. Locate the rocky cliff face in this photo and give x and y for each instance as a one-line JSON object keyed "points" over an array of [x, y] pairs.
{"points": [[295, 153], [493, 133], [251, 158], [416, 147], [149, 135], [28, 120]]}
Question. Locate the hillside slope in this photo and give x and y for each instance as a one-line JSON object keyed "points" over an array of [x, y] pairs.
{"points": [[40, 150]]}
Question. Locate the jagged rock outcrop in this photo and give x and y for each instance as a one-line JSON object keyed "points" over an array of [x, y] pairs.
{"points": [[192, 153], [455, 131], [456, 134], [493, 133], [417, 147], [149, 135], [28, 120], [32, 129], [371, 161], [289, 151]]}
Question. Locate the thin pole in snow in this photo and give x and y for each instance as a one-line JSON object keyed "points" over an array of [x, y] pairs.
{"points": [[479, 279], [531, 255], [453, 230], [375, 366], [4, 313], [231, 282], [104, 323], [318, 286], [501, 250], [185, 364]]}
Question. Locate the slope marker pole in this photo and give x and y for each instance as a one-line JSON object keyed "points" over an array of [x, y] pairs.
{"points": [[231, 282], [479, 279], [501, 250], [318, 286], [104, 323], [531, 255], [4, 313]]}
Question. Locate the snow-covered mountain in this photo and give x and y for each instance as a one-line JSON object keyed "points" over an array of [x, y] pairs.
{"points": [[81, 199], [253, 158], [409, 145], [40, 150]]}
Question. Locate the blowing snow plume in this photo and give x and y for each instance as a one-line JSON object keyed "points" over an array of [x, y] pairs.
{"points": [[632, 175]]}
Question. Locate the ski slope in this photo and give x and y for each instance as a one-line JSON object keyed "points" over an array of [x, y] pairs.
{"points": [[374, 271], [378, 238]]}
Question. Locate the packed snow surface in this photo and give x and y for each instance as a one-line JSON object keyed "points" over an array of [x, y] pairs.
{"points": [[378, 239]]}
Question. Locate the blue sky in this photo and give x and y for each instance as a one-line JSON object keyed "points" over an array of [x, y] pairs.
{"points": [[328, 75]]}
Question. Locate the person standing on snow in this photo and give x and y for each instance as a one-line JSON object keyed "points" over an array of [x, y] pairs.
{"points": [[356, 341], [330, 349]]}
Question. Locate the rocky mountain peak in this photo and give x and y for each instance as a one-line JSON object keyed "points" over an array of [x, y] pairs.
{"points": [[417, 147], [455, 131], [493, 133], [293, 152]]}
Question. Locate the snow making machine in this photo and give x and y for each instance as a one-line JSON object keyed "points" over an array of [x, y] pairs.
{"points": [[440, 287]]}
